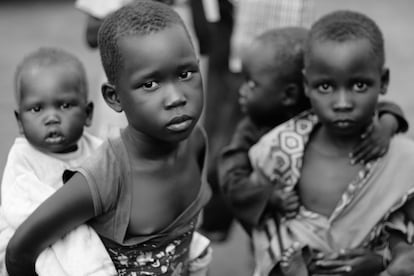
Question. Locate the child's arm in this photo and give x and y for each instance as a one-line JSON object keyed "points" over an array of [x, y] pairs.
{"points": [[248, 201], [376, 140], [69, 207]]}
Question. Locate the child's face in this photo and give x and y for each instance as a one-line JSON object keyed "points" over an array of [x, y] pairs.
{"points": [[52, 111], [260, 96], [159, 84], [343, 82]]}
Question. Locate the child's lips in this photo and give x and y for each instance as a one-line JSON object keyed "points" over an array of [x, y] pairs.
{"points": [[54, 138], [180, 123], [343, 123]]}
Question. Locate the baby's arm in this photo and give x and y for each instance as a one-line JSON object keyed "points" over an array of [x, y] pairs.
{"points": [[375, 141], [69, 207], [248, 201], [284, 202]]}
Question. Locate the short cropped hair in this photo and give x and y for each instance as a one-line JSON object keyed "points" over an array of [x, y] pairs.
{"points": [[288, 46], [346, 25], [46, 57], [140, 17]]}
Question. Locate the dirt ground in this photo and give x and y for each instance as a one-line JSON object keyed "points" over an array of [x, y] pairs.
{"points": [[27, 25]]}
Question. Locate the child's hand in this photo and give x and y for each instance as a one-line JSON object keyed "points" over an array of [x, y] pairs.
{"points": [[285, 202], [375, 141], [356, 262]]}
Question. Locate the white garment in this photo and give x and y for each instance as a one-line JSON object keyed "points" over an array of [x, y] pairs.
{"points": [[31, 176], [99, 8]]}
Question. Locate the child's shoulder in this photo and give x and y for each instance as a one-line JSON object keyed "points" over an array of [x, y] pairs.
{"points": [[21, 148], [92, 139], [403, 146]]}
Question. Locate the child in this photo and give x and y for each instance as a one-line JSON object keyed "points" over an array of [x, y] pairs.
{"points": [[143, 191], [345, 210], [52, 110], [271, 94]]}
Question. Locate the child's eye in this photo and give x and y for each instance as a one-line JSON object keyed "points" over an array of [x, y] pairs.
{"points": [[360, 86], [185, 75], [65, 106], [324, 88], [35, 109], [150, 85]]}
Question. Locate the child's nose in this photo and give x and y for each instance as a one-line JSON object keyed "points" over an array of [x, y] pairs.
{"points": [[51, 117], [175, 96], [243, 90], [343, 101]]}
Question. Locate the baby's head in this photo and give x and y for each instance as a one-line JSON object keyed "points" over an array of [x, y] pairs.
{"points": [[152, 70], [272, 67], [344, 70], [52, 100]]}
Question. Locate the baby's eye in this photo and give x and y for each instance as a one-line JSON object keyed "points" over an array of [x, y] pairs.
{"points": [[65, 106], [360, 86], [150, 85], [325, 88], [185, 75], [35, 109]]}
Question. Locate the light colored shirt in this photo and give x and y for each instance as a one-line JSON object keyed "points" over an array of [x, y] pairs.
{"points": [[27, 166]]}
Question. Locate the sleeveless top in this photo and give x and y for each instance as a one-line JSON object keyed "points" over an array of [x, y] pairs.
{"points": [[165, 252]]}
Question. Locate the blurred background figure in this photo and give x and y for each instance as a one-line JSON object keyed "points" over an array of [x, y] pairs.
{"points": [[254, 17], [240, 21]]}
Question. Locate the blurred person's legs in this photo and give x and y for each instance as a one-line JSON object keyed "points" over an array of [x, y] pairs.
{"points": [[221, 116]]}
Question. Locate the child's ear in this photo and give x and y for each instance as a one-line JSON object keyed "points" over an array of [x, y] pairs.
{"points": [[111, 97], [89, 114], [305, 83], [290, 94], [19, 121], [385, 80]]}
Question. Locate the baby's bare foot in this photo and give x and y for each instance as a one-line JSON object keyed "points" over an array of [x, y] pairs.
{"points": [[293, 263]]}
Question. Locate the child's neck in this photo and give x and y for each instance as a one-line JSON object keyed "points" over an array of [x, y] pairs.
{"points": [[334, 145], [148, 147]]}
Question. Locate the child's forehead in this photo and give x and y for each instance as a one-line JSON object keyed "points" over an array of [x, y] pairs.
{"points": [[259, 53], [64, 70], [174, 32], [348, 50], [52, 76], [171, 43]]}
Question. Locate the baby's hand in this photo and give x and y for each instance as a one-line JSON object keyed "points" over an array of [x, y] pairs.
{"points": [[285, 202], [376, 140]]}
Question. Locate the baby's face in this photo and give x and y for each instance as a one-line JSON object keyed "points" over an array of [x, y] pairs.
{"points": [[343, 82], [52, 111], [159, 84], [260, 95]]}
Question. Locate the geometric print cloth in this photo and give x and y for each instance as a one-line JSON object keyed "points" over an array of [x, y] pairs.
{"points": [[278, 157]]}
